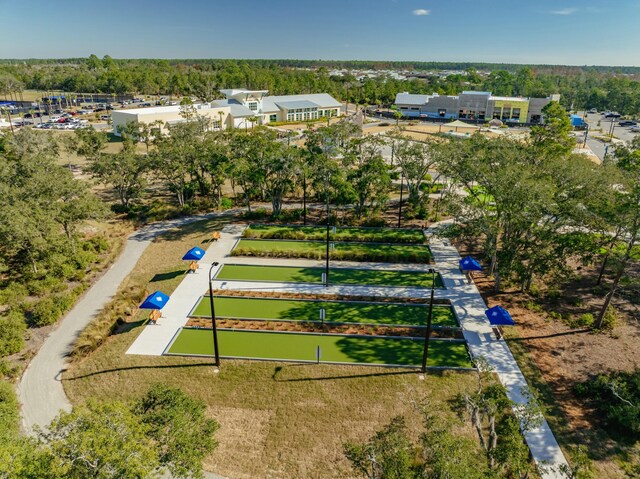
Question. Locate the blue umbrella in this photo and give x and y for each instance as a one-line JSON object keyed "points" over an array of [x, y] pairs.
{"points": [[470, 264], [194, 253], [156, 300], [498, 316]]}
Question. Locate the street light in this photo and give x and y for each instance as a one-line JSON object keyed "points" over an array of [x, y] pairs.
{"points": [[326, 268], [213, 321], [612, 128], [427, 333], [400, 206], [586, 135]]}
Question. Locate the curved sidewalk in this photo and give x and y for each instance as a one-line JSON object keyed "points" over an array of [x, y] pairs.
{"points": [[40, 390]]}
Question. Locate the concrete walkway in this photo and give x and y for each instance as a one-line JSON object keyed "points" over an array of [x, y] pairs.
{"points": [[470, 308], [40, 390], [154, 338]]}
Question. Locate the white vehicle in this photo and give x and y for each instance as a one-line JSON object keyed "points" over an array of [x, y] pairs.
{"points": [[105, 117], [53, 118]]}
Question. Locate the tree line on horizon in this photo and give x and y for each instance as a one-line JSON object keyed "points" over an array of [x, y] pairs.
{"points": [[579, 87]]}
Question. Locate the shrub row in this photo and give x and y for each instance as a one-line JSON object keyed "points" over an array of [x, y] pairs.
{"points": [[319, 234], [336, 255]]}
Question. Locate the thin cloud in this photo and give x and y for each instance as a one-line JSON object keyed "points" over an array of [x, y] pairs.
{"points": [[421, 12], [564, 11]]}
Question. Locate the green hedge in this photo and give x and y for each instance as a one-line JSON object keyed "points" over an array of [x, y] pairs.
{"points": [[362, 235]]}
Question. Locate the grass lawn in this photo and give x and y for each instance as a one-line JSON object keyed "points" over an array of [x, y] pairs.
{"points": [[394, 253], [380, 235], [334, 348], [289, 274], [335, 311], [277, 419]]}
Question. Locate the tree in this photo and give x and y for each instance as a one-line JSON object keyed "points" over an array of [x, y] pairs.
{"points": [[41, 204], [125, 172], [552, 138], [524, 204], [626, 217], [389, 454], [368, 173], [414, 160], [184, 436], [100, 440], [179, 158], [490, 412]]}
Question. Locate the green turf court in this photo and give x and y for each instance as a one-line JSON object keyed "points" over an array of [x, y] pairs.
{"points": [[347, 276], [380, 235], [395, 253], [373, 350], [335, 311]]}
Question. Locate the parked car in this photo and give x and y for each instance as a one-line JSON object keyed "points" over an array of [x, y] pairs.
{"points": [[635, 129], [612, 114], [593, 110], [627, 123], [105, 117]]}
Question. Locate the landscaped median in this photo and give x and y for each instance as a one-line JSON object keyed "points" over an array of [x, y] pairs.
{"points": [[338, 251], [332, 348], [339, 276], [377, 235], [336, 312]]}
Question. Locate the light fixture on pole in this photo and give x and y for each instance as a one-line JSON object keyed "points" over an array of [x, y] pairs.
{"points": [[326, 268], [213, 321], [427, 333], [400, 205]]}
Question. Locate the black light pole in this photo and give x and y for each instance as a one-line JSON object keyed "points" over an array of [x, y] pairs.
{"points": [[213, 320], [304, 199], [326, 268], [400, 206], [427, 333], [586, 134], [613, 127]]}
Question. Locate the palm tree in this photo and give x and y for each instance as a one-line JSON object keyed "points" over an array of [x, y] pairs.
{"points": [[8, 112], [397, 114]]}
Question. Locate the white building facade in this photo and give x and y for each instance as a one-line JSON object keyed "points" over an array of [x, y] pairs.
{"points": [[240, 109]]}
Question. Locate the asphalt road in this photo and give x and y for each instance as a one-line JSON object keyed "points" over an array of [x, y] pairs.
{"points": [[40, 390]]}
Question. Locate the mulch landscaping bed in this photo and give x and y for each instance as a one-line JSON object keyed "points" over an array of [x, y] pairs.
{"points": [[324, 297], [309, 327]]}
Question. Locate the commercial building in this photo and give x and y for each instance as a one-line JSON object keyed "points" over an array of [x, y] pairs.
{"points": [[240, 109], [163, 117], [269, 109], [473, 105]]}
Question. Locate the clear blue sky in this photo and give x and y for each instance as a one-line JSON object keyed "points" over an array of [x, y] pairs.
{"points": [[576, 32]]}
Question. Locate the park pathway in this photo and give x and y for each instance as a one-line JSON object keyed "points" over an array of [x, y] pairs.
{"points": [[40, 390], [470, 308]]}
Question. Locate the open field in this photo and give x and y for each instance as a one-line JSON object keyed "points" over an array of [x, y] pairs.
{"points": [[335, 311], [288, 274], [334, 348], [392, 253], [379, 235]]}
